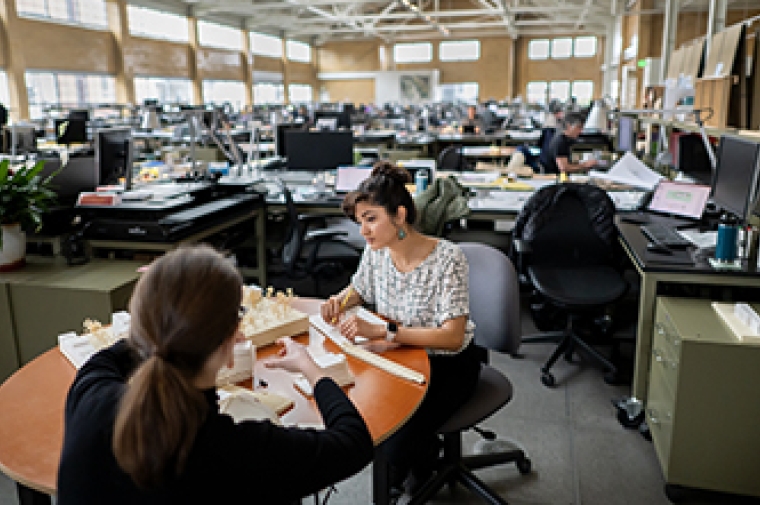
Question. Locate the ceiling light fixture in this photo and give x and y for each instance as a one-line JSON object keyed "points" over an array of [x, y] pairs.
{"points": [[424, 17]]}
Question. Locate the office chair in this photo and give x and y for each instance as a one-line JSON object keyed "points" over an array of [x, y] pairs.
{"points": [[319, 254], [495, 309], [451, 159], [565, 243]]}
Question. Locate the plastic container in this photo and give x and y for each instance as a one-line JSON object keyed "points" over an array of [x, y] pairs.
{"points": [[725, 249]]}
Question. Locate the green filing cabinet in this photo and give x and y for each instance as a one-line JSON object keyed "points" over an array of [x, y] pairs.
{"points": [[703, 407], [50, 298]]}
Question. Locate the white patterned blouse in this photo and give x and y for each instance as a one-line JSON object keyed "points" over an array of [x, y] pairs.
{"points": [[431, 294]]}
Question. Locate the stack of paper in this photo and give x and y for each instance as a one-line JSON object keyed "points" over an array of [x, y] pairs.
{"points": [[631, 171]]}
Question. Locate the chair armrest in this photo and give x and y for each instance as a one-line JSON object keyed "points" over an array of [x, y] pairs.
{"points": [[310, 219], [324, 235], [522, 246]]}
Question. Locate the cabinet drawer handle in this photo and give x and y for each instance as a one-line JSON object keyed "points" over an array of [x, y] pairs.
{"points": [[652, 417]]}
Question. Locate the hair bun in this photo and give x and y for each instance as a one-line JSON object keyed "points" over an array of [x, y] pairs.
{"points": [[391, 171]]}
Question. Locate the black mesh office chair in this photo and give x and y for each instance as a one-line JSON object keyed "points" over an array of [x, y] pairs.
{"points": [[495, 309], [564, 243], [451, 159], [315, 253]]}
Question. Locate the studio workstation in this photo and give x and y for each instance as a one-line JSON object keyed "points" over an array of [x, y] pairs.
{"points": [[379, 252]]}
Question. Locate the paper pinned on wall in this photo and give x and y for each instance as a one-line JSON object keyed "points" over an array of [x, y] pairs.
{"points": [[631, 171]]}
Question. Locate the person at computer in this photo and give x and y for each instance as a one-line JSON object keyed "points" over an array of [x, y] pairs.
{"points": [[556, 158], [142, 423], [472, 124], [419, 283]]}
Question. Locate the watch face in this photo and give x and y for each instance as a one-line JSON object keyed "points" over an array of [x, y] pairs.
{"points": [[392, 327]]}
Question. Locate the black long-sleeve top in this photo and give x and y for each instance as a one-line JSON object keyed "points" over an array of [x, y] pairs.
{"points": [[250, 462]]}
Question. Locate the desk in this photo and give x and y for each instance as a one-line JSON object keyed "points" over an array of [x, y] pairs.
{"points": [[488, 151], [654, 276], [32, 402]]}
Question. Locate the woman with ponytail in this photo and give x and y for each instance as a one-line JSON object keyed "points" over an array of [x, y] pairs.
{"points": [[142, 424], [420, 283]]}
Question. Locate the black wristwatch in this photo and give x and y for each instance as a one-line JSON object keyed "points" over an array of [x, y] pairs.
{"points": [[390, 331]]}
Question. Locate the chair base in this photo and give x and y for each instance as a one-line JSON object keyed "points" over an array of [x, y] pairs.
{"points": [[568, 340], [453, 468]]}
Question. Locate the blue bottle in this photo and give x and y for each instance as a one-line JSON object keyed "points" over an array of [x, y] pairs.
{"points": [[420, 181], [725, 249]]}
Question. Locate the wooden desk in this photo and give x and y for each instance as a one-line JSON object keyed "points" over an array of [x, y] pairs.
{"points": [[32, 402], [654, 276]]}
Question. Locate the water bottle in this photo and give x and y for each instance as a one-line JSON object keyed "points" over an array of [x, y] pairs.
{"points": [[420, 181], [725, 249]]}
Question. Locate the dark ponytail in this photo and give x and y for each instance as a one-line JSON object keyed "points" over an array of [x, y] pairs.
{"points": [[183, 309], [386, 187]]}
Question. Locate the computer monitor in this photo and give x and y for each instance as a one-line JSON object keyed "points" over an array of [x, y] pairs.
{"points": [[70, 131], [343, 118], [80, 174], [81, 114], [679, 199], [468, 129], [327, 123], [113, 156], [22, 136], [323, 150], [691, 158], [626, 134], [736, 175], [279, 136]]}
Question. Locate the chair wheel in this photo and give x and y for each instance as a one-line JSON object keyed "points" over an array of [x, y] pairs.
{"points": [[524, 466], [547, 379]]}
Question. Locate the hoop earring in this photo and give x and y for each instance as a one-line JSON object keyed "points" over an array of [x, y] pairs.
{"points": [[401, 234]]}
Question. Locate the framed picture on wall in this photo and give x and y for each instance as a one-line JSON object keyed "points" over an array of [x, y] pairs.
{"points": [[415, 88]]}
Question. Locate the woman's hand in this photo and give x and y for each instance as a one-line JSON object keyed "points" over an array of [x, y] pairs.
{"points": [[331, 310], [355, 326], [294, 358]]}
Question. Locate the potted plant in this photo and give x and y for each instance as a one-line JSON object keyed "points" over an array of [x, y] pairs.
{"points": [[24, 198]]}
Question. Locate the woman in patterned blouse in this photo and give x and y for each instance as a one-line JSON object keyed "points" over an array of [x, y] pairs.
{"points": [[420, 283]]}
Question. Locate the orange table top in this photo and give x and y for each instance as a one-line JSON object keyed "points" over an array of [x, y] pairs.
{"points": [[32, 403]]}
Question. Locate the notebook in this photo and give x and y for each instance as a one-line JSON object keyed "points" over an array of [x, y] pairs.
{"points": [[348, 178]]}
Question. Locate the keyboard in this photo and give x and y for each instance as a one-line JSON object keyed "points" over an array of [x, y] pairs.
{"points": [[665, 235]]}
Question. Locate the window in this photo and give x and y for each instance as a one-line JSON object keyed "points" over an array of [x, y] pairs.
{"points": [[155, 24], [164, 90], [562, 48], [462, 50], [536, 92], [81, 12], [459, 92], [583, 91], [413, 53], [5, 96], [220, 92], [220, 36], [585, 47], [266, 45], [559, 90], [300, 93], [69, 90], [268, 93], [298, 51], [538, 49]]}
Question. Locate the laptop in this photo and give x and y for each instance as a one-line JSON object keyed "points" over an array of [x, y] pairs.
{"points": [[673, 203], [348, 178]]}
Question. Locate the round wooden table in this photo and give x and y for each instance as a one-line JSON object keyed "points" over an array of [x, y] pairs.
{"points": [[32, 403]]}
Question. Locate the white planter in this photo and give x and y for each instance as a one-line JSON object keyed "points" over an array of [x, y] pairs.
{"points": [[13, 250]]}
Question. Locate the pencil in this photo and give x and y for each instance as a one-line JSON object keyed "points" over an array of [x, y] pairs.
{"points": [[344, 302]]}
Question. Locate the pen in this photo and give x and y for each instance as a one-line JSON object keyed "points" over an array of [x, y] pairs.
{"points": [[343, 303]]}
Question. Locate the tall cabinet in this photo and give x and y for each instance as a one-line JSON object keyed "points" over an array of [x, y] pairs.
{"points": [[703, 407]]}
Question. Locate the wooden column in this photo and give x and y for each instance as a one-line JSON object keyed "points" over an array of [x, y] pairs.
{"points": [[284, 66], [12, 46], [192, 57], [247, 67], [118, 23]]}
